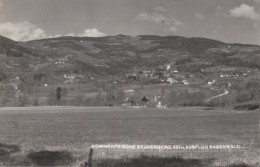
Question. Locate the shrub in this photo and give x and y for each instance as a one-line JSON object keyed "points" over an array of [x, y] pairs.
{"points": [[8, 149], [51, 158], [246, 107], [253, 107]]}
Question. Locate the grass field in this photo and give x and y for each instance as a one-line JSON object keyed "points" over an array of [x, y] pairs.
{"points": [[75, 129]]}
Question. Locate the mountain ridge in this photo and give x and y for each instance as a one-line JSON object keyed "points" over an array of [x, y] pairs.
{"points": [[128, 60]]}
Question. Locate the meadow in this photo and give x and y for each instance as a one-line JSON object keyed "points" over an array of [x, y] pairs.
{"points": [[75, 129]]}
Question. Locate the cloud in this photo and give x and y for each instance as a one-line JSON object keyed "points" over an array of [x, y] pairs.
{"points": [[200, 16], [94, 32], [54, 36], [244, 11], [171, 24], [21, 31], [71, 34], [257, 1], [25, 31], [171, 29]]}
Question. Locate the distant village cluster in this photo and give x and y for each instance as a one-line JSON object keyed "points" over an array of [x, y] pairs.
{"points": [[165, 73]]}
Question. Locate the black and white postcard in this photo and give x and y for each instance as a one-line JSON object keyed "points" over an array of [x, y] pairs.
{"points": [[130, 83]]}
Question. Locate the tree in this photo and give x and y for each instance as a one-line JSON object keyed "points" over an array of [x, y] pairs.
{"points": [[253, 87], [242, 97], [58, 95]]}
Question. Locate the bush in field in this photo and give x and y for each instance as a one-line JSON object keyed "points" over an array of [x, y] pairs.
{"points": [[6, 149], [57, 97], [253, 107], [9, 156], [51, 158]]}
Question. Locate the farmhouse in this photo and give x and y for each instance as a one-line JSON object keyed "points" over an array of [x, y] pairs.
{"points": [[144, 100], [155, 98], [172, 81], [210, 83], [70, 76], [224, 76], [184, 82]]}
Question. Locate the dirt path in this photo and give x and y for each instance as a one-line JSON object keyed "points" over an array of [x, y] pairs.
{"points": [[223, 94]]}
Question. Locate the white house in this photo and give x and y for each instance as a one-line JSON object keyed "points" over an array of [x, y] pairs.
{"points": [[172, 81], [211, 83], [184, 82]]}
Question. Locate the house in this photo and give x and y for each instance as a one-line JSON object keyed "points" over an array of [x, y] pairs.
{"points": [[172, 81], [155, 99], [224, 76], [159, 105], [129, 91], [184, 82], [144, 100], [229, 84], [70, 76], [210, 83]]}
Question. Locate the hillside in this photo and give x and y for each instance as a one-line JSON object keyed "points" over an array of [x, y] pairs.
{"points": [[86, 65]]}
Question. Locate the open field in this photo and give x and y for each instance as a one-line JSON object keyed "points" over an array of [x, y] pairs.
{"points": [[75, 129]]}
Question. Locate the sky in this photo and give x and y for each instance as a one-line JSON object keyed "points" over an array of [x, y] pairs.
{"points": [[233, 21]]}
